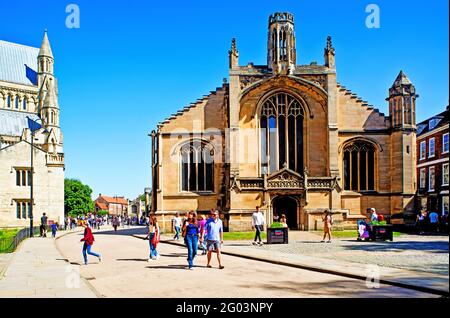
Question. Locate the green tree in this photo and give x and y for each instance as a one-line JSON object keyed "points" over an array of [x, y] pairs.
{"points": [[102, 212], [77, 198]]}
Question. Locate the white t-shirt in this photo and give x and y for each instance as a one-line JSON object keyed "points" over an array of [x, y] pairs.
{"points": [[257, 219], [177, 221]]}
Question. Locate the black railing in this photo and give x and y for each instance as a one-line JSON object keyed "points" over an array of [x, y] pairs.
{"points": [[10, 244]]}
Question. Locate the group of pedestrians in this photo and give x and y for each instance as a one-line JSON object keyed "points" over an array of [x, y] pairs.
{"points": [[196, 231], [431, 222]]}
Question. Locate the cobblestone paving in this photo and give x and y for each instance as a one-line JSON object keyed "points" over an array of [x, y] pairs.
{"points": [[418, 253]]}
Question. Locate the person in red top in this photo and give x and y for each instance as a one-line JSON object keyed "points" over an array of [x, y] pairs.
{"points": [[88, 240]]}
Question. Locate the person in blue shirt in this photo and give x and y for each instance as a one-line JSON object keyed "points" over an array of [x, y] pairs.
{"points": [[191, 232], [214, 238], [54, 229]]}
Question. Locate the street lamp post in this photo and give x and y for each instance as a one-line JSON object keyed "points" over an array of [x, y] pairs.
{"points": [[31, 186]]}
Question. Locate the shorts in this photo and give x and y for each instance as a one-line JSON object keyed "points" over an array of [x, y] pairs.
{"points": [[212, 245]]}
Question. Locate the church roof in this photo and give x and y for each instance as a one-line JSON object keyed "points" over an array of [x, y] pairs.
{"points": [[18, 63], [118, 200], [13, 123]]}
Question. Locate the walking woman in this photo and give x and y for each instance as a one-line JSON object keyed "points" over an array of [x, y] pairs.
{"points": [[88, 240], [327, 222], [191, 238], [153, 237]]}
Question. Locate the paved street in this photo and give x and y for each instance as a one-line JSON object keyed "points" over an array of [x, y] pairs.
{"points": [[125, 272], [427, 254], [37, 269]]}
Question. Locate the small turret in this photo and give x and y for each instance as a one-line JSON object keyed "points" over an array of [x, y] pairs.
{"points": [[281, 52], [402, 102]]}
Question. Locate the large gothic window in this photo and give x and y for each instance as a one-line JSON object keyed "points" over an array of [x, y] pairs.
{"points": [[359, 166], [197, 162], [281, 133]]}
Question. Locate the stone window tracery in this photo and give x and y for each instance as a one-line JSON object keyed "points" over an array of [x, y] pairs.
{"points": [[281, 123], [197, 167], [359, 166]]}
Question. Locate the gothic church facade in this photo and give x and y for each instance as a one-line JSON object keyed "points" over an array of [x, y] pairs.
{"points": [[29, 90], [290, 139]]}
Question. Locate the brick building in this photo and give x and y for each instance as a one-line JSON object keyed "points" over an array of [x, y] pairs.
{"points": [[290, 139], [114, 205], [432, 163]]}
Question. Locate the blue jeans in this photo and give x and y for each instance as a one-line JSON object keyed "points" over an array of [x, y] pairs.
{"points": [[87, 250], [177, 233], [192, 245], [153, 252]]}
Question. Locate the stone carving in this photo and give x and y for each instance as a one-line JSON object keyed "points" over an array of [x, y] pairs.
{"points": [[319, 80], [247, 81], [285, 180], [251, 184], [322, 183]]}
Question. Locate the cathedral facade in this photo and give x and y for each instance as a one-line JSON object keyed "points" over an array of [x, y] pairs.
{"points": [[29, 90], [290, 139]]}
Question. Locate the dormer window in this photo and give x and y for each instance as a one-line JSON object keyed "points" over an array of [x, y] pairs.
{"points": [[421, 128], [434, 122]]}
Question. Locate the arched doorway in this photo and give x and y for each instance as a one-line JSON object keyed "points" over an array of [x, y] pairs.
{"points": [[288, 206]]}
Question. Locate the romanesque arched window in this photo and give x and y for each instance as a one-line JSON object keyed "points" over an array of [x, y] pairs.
{"points": [[16, 102], [8, 101], [24, 103], [281, 121], [359, 166], [197, 167]]}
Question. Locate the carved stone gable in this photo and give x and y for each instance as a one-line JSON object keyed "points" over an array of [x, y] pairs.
{"points": [[285, 179]]}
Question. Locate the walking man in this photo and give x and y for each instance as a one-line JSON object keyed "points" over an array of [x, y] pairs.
{"points": [[214, 238], [177, 226], [258, 225], [44, 225], [434, 221]]}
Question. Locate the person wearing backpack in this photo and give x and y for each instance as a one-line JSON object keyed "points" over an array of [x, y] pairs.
{"points": [[327, 223]]}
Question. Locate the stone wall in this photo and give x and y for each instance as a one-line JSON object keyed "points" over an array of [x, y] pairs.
{"points": [[48, 186]]}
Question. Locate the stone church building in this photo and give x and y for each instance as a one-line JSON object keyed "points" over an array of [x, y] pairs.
{"points": [[290, 139], [28, 89]]}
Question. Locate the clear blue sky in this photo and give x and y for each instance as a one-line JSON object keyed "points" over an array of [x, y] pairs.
{"points": [[133, 63]]}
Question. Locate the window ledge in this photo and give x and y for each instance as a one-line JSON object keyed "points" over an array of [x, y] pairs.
{"points": [[190, 194]]}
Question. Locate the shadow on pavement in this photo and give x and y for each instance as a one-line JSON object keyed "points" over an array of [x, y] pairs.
{"points": [[132, 259], [168, 267], [124, 232], [174, 255]]}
